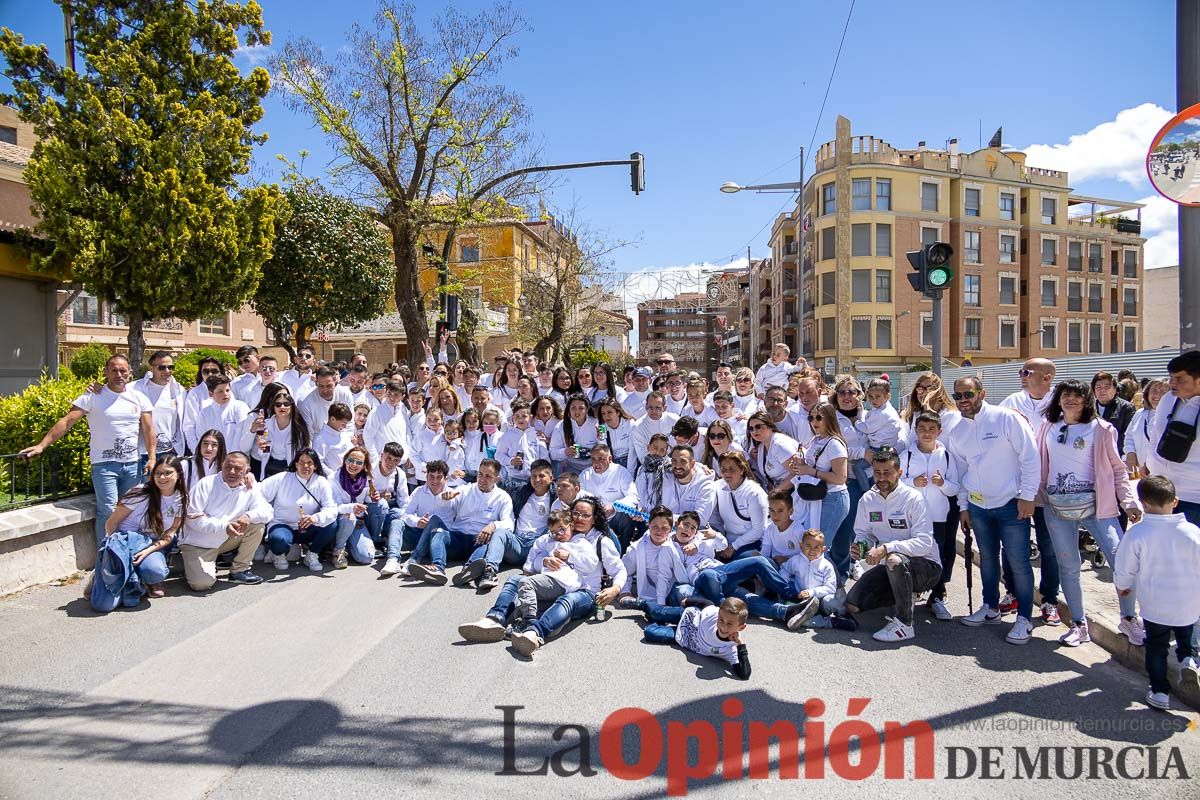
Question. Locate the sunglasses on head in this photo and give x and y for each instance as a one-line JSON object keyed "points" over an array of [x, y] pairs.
{"points": [[970, 394]]}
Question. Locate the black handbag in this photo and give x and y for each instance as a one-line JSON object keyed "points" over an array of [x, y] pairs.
{"points": [[1176, 441], [814, 491]]}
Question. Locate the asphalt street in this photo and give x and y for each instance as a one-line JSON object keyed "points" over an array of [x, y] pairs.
{"points": [[343, 685]]}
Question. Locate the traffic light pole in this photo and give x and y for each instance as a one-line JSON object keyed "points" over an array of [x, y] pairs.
{"points": [[937, 332], [1187, 83]]}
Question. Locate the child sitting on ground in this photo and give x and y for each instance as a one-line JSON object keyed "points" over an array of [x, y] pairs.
{"points": [[542, 586], [709, 631], [653, 564], [1160, 558], [880, 427], [815, 580], [697, 551]]}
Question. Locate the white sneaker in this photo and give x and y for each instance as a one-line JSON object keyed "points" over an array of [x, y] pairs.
{"points": [[894, 631], [1190, 671], [938, 607], [984, 615], [1158, 700], [391, 567], [1020, 632], [280, 562], [261, 553], [483, 630], [856, 570], [526, 643], [312, 561], [1133, 630], [1077, 635]]}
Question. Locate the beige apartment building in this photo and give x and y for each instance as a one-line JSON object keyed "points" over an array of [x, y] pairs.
{"points": [[1038, 270]]}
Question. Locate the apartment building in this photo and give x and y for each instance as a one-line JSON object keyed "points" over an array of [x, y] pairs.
{"points": [[1038, 270], [680, 325]]}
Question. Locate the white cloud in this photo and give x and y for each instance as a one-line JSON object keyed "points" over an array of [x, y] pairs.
{"points": [[1114, 149], [1160, 226], [254, 55], [652, 283]]}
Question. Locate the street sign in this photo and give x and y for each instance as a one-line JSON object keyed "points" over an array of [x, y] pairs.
{"points": [[830, 365]]}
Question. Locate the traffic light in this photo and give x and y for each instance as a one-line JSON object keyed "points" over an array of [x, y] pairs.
{"points": [[637, 173], [931, 267]]}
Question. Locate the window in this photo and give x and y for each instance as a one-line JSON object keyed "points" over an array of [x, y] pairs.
{"points": [[828, 199], [1074, 257], [971, 290], [971, 202], [789, 245], [1074, 337], [1095, 258], [1095, 298], [828, 243], [1008, 333], [860, 333], [8, 134], [472, 297], [860, 286], [214, 326], [1049, 210], [1130, 309], [883, 286], [1130, 339], [1074, 296], [1049, 293], [1008, 290], [883, 240], [1131, 263], [828, 288], [971, 333], [971, 247], [860, 239], [470, 251], [860, 194], [1006, 205], [929, 197], [926, 330], [85, 310], [1008, 248], [928, 236], [828, 333], [883, 194], [1095, 337], [883, 333], [1049, 252], [1049, 335]]}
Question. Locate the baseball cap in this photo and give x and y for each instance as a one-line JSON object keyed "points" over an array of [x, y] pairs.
{"points": [[643, 372]]}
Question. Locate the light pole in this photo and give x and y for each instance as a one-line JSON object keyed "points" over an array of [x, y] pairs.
{"points": [[729, 187]]}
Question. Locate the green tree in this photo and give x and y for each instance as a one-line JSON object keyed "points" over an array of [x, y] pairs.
{"points": [[134, 178], [331, 267], [422, 126], [89, 360]]}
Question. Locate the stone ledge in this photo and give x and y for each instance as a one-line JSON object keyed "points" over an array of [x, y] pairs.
{"points": [[30, 520], [1103, 616], [46, 542]]}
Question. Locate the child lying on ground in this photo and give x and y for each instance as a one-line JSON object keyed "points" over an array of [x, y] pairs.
{"points": [[709, 631]]}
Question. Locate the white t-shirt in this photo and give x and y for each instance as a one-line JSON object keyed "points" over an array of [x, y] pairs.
{"points": [[532, 520], [1072, 466], [697, 631], [115, 422], [136, 521], [821, 453]]}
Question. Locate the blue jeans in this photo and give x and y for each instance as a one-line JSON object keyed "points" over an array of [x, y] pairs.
{"points": [[354, 536], [506, 601], [111, 480], [717, 583], [439, 544], [994, 527], [571, 606], [152, 570], [837, 515], [281, 537], [1048, 585], [423, 550], [1065, 535], [402, 539], [505, 547]]}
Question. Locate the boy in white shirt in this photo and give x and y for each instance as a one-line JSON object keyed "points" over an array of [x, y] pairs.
{"points": [[783, 535], [1160, 557], [335, 438], [814, 579], [653, 563], [698, 552], [928, 468], [222, 412], [541, 587], [427, 508], [518, 448], [709, 631], [881, 427], [567, 491]]}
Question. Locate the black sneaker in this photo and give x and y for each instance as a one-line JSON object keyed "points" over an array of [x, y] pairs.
{"points": [[469, 572], [246, 576], [488, 580], [430, 573], [800, 613], [846, 623]]}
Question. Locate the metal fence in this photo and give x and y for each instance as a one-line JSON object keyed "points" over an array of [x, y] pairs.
{"points": [[58, 472]]}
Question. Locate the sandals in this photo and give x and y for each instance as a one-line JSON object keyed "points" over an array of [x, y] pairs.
{"points": [[156, 590]]}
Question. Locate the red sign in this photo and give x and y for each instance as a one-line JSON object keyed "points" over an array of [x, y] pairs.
{"points": [[720, 339], [721, 321]]}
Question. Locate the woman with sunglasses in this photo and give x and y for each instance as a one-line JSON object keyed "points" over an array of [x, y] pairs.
{"points": [[1084, 484], [353, 492], [148, 517], [167, 399], [826, 460], [604, 385], [208, 458], [275, 432], [617, 429], [741, 504], [769, 450], [719, 440], [929, 394], [744, 397], [196, 398], [562, 383], [304, 511], [572, 443]]}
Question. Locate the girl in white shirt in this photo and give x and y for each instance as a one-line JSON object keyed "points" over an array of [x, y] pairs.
{"points": [[617, 429], [603, 384], [424, 444], [527, 389], [207, 460], [156, 510], [275, 433], [448, 403], [504, 387], [719, 439], [547, 416], [352, 491], [562, 383], [571, 445], [1137, 435], [769, 450], [304, 511], [484, 444], [826, 460]]}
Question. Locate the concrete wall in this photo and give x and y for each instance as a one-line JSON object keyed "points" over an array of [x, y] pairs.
{"points": [[46, 542]]}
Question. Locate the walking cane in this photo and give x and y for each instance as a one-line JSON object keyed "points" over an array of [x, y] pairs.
{"points": [[970, 565]]}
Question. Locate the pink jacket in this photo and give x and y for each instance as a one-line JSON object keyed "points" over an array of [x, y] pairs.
{"points": [[1112, 479]]}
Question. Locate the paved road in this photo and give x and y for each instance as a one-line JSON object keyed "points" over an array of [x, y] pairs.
{"points": [[345, 686]]}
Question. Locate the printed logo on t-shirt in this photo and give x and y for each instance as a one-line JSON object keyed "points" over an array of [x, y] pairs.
{"points": [[122, 448], [875, 516], [900, 523]]}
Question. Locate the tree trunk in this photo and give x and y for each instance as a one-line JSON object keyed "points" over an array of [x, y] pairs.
{"points": [[409, 303], [551, 339], [136, 341], [284, 341], [468, 347]]}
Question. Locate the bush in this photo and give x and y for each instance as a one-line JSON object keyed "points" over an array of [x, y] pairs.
{"points": [[88, 362], [25, 418], [188, 364], [589, 357]]}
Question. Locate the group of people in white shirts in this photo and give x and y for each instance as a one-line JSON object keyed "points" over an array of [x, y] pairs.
{"points": [[764, 494]]}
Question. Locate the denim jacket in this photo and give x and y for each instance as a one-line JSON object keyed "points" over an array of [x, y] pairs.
{"points": [[116, 575]]}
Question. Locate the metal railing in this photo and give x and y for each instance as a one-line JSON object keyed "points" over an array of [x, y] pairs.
{"points": [[58, 472]]}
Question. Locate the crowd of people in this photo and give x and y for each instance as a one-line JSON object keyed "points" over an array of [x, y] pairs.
{"points": [[766, 493]]}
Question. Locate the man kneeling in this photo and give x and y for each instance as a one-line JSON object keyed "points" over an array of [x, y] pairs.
{"points": [[225, 513]]}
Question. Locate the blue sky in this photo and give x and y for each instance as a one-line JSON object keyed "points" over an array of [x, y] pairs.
{"points": [[712, 92]]}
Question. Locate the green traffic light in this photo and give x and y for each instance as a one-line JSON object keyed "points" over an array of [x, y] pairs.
{"points": [[938, 277]]}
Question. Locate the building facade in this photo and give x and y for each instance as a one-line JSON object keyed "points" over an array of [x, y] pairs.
{"points": [[1038, 270], [1161, 326], [678, 325]]}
